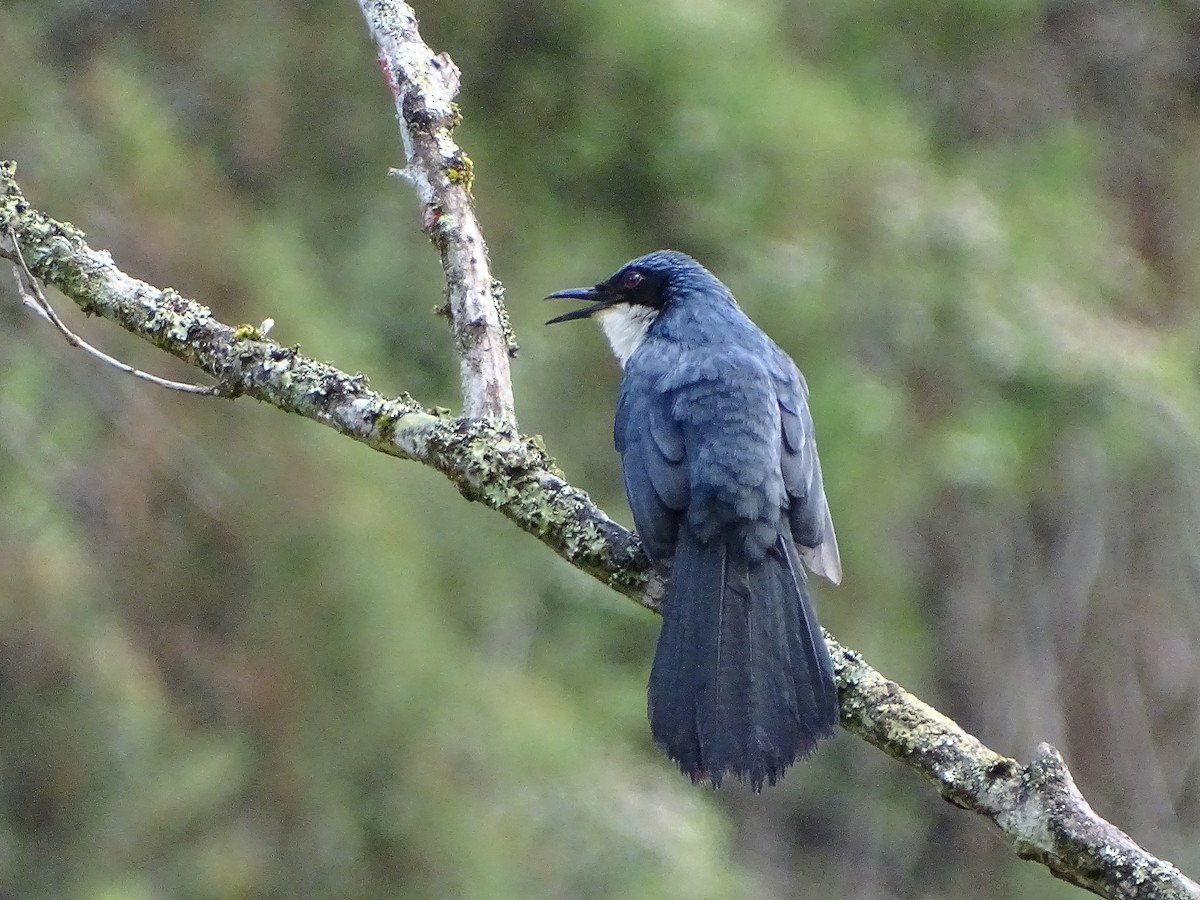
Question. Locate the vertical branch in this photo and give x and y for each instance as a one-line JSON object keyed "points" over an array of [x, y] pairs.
{"points": [[424, 85]]}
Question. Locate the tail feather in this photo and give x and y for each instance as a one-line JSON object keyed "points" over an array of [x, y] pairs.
{"points": [[742, 682]]}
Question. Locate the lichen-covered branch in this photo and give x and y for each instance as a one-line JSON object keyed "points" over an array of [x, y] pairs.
{"points": [[486, 458], [424, 85], [1037, 806]]}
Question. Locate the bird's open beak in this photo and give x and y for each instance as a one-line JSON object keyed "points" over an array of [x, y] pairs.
{"points": [[604, 302]]}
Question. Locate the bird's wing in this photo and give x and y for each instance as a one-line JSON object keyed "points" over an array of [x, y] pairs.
{"points": [[808, 511], [651, 445]]}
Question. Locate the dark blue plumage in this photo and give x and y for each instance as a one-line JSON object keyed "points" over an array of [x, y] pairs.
{"points": [[722, 476]]}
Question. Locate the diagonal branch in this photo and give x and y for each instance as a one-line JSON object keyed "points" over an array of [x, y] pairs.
{"points": [[1037, 807], [486, 458]]}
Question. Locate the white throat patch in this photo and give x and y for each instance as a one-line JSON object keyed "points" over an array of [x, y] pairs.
{"points": [[625, 325]]}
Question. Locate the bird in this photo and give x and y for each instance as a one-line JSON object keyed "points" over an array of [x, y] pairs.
{"points": [[721, 472]]}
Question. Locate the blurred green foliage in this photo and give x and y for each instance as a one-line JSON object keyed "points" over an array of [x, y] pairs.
{"points": [[243, 657]]}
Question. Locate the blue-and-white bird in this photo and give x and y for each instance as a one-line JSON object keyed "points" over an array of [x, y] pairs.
{"points": [[722, 475]]}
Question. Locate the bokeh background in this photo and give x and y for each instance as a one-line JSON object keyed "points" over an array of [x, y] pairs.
{"points": [[241, 656]]}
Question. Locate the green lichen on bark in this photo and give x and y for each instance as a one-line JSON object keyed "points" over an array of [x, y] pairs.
{"points": [[490, 462], [510, 337], [461, 171], [247, 332]]}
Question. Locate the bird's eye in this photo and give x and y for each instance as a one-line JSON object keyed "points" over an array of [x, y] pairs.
{"points": [[631, 279]]}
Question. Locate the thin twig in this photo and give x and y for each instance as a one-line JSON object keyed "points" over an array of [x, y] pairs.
{"points": [[34, 297]]}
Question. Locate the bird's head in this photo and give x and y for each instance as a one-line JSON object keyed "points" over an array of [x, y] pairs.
{"points": [[629, 302], [640, 282]]}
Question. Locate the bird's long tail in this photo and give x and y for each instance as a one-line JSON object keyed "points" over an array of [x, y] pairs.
{"points": [[742, 681]]}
